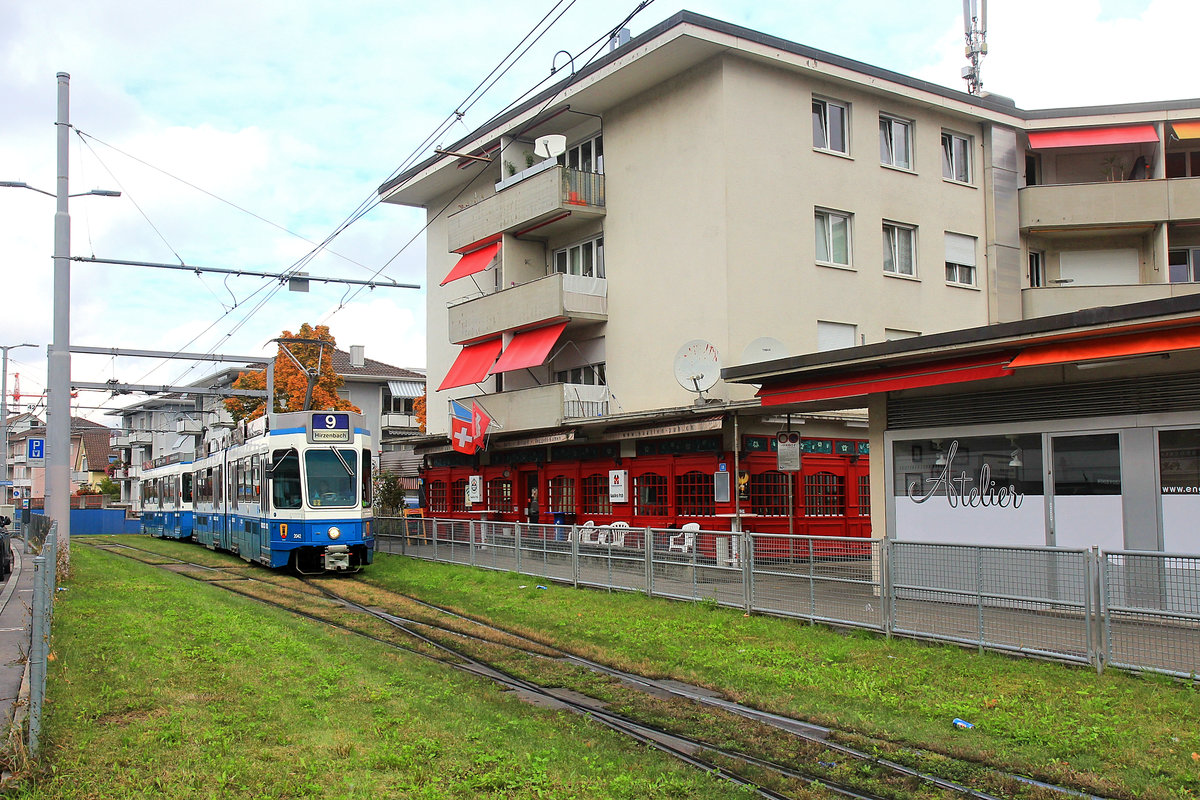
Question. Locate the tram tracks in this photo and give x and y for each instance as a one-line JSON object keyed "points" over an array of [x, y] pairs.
{"points": [[771, 754]]}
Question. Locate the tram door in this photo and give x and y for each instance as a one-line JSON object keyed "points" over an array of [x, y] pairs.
{"points": [[1086, 507]]}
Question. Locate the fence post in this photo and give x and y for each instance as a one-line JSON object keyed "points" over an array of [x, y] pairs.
{"points": [[979, 594], [575, 558], [1096, 598], [471, 539], [886, 602], [746, 556], [517, 544], [648, 543], [37, 656], [433, 524]]}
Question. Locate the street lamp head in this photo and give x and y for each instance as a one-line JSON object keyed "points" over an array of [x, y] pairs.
{"points": [[15, 185], [104, 192]]}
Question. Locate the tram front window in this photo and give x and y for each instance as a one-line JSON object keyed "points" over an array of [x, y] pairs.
{"points": [[331, 477], [285, 479]]}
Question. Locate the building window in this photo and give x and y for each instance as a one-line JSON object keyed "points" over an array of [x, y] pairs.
{"points": [[824, 495], [899, 249], [650, 495], [587, 156], [458, 495], [585, 258], [956, 157], [594, 489], [396, 405], [895, 142], [1037, 269], [436, 496], [499, 494], [1184, 265], [833, 237], [694, 495], [769, 494], [835, 335], [960, 259], [1182, 164], [864, 495], [830, 125], [562, 494], [590, 375]]}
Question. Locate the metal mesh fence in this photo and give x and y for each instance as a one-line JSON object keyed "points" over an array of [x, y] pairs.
{"points": [[1031, 600], [1133, 610], [1152, 610]]}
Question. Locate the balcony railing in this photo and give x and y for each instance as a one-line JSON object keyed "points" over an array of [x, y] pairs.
{"points": [[1049, 300], [557, 196], [545, 406], [398, 421], [1110, 203], [552, 296]]}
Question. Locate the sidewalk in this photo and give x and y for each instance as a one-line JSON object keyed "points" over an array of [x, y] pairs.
{"points": [[16, 600]]}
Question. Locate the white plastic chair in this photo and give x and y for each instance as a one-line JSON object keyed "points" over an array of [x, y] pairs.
{"points": [[616, 533], [685, 540], [589, 533]]}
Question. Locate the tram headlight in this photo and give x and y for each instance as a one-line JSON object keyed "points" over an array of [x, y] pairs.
{"points": [[334, 533]]}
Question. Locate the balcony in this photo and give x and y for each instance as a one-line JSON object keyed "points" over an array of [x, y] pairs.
{"points": [[554, 296], [1081, 205], [544, 406], [1045, 301], [118, 440], [553, 198], [387, 421]]}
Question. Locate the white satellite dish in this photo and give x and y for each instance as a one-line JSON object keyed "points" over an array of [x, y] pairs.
{"points": [[764, 348], [552, 145], [697, 366]]}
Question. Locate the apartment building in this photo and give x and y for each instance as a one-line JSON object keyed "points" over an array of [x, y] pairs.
{"points": [[725, 197]]}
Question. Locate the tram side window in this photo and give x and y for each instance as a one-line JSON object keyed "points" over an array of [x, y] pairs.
{"points": [[366, 479], [217, 485], [187, 487], [285, 479], [255, 498]]}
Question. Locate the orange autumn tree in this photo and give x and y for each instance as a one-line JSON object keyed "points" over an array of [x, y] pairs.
{"points": [[419, 411], [291, 382]]}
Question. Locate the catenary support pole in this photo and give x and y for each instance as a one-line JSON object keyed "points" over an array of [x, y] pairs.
{"points": [[58, 407]]}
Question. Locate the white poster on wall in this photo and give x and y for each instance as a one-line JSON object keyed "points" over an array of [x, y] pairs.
{"points": [[618, 483]]}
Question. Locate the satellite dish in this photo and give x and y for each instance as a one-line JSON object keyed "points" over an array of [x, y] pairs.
{"points": [[697, 366], [552, 145], [764, 348]]}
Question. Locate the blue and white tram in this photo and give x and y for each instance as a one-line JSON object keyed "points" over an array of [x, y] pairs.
{"points": [[165, 499], [292, 491]]}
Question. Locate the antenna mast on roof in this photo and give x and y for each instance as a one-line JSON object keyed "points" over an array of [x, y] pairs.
{"points": [[975, 28]]}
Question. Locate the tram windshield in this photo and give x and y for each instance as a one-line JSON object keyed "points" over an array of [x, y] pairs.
{"points": [[331, 477]]}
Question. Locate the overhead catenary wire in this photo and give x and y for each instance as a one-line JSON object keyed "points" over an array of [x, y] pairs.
{"points": [[373, 199]]}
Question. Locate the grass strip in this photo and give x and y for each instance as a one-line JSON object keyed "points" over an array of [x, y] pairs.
{"points": [[164, 686], [1116, 734]]}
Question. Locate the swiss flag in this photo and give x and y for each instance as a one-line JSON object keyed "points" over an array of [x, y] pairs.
{"points": [[479, 421], [462, 436]]}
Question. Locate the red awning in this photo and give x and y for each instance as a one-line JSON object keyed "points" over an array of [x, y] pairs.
{"points": [[475, 261], [1089, 137], [887, 380], [472, 364], [529, 348], [1129, 345]]}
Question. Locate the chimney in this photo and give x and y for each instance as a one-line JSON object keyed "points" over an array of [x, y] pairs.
{"points": [[357, 359]]}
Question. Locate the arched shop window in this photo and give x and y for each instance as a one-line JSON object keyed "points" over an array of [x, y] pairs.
{"points": [[769, 494], [562, 494], [595, 495], [437, 496], [499, 494], [650, 495], [694, 495], [458, 495], [824, 495]]}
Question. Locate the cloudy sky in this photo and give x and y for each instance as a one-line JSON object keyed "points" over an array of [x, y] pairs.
{"points": [[242, 133]]}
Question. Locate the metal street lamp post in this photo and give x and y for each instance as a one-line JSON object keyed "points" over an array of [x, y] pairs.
{"points": [[58, 354], [4, 492]]}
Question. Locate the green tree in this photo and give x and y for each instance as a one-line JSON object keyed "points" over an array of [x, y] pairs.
{"points": [[389, 494], [291, 383]]}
